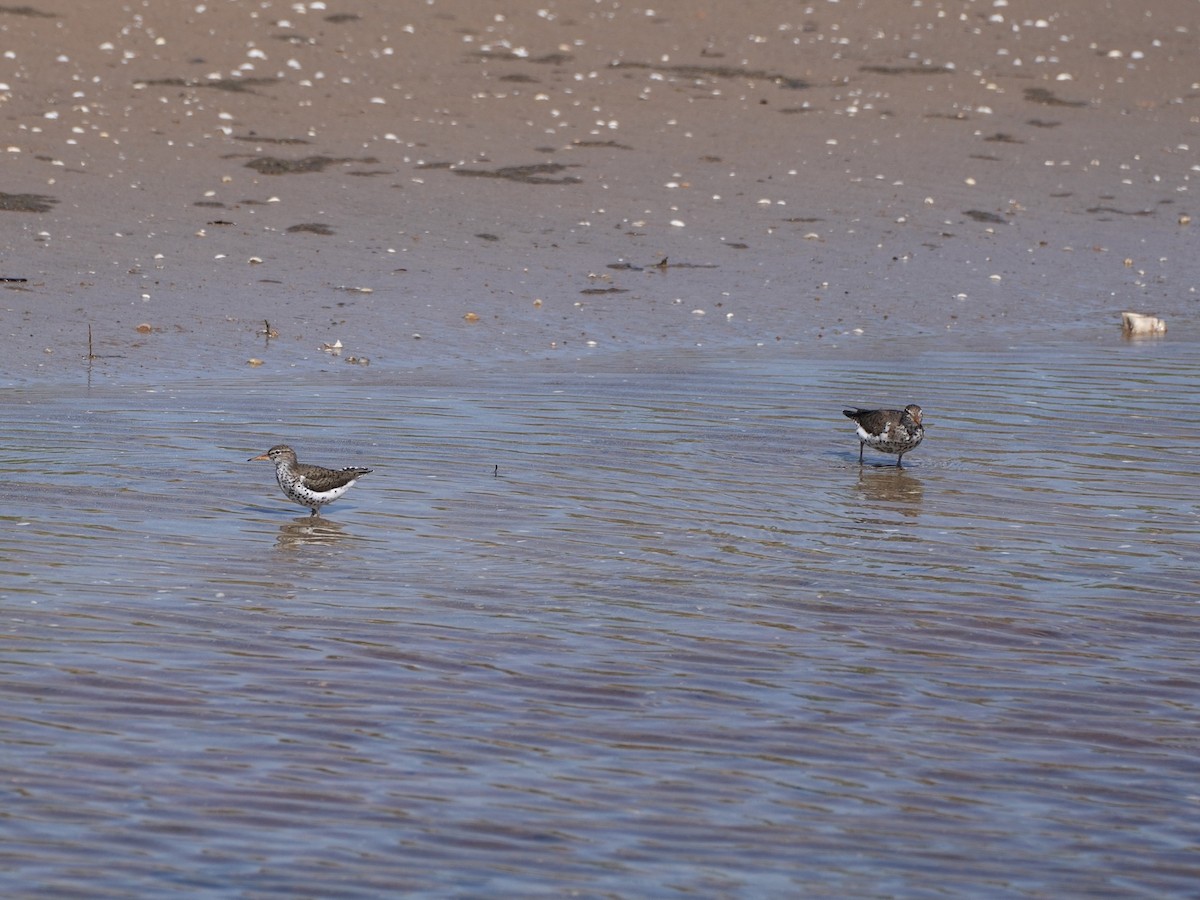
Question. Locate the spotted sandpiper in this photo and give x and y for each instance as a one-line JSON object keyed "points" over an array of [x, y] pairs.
{"points": [[311, 486], [888, 430]]}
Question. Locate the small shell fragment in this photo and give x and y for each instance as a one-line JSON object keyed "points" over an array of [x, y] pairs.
{"points": [[471, 317]]}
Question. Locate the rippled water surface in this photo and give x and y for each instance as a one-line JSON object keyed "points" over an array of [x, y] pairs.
{"points": [[634, 627]]}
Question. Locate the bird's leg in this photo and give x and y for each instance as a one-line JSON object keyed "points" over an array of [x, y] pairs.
{"points": [[861, 445]]}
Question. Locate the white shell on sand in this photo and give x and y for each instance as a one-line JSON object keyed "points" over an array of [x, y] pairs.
{"points": [[1137, 323]]}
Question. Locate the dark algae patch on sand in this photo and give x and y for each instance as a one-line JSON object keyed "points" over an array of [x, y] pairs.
{"points": [[32, 203], [274, 165], [537, 173]]}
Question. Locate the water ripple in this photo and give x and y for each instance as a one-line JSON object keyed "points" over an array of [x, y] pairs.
{"points": [[644, 624]]}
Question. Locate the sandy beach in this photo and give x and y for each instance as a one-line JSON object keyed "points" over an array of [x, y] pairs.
{"points": [[438, 183]]}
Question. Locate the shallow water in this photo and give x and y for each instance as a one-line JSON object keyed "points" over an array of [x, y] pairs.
{"points": [[641, 627]]}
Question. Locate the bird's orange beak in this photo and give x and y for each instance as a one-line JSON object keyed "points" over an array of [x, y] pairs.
{"points": [[260, 456]]}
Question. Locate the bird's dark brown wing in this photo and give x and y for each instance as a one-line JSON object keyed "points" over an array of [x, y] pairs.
{"points": [[317, 478], [873, 421]]}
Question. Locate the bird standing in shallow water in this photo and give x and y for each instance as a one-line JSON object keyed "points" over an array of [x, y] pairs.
{"points": [[311, 486], [888, 430]]}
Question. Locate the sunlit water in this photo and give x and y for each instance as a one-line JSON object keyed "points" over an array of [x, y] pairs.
{"points": [[633, 627]]}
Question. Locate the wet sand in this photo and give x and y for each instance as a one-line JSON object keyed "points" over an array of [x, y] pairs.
{"points": [[980, 173]]}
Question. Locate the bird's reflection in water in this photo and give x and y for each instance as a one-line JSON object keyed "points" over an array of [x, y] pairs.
{"points": [[889, 487], [309, 531]]}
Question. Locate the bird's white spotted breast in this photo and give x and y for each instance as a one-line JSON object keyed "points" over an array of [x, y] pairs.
{"points": [[890, 440], [306, 496]]}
